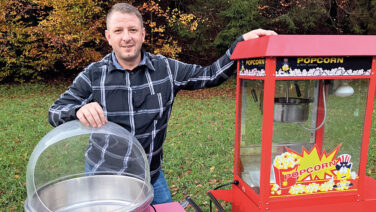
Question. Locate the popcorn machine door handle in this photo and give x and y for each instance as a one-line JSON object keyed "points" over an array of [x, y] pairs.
{"points": [[254, 95], [298, 93]]}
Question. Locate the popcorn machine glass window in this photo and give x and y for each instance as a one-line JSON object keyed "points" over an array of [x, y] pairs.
{"points": [[251, 129], [317, 133]]}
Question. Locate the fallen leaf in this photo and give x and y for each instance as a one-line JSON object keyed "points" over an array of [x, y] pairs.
{"points": [[211, 181]]}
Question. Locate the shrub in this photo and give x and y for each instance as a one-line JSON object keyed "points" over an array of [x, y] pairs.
{"points": [[43, 39]]}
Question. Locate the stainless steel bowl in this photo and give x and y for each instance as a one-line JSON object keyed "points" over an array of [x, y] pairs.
{"points": [[98, 193], [291, 109]]}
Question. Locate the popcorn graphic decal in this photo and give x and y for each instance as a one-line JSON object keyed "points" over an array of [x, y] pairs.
{"points": [[284, 166], [309, 66], [323, 66], [312, 173], [285, 66], [344, 173], [252, 67]]}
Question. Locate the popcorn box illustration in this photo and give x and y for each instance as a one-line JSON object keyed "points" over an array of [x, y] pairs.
{"points": [[285, 169]]}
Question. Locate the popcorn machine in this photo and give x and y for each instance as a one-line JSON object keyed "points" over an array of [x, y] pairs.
{"points": [[303, 119]]}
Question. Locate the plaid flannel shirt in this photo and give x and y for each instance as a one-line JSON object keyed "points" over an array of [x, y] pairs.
{"points": [[139, 100]]}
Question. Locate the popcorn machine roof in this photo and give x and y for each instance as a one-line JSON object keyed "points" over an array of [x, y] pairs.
{"points": [[312, 97]]}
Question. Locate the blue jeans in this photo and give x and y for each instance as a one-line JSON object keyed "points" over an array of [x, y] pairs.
{"points": [[161, 192], [88, 169]]}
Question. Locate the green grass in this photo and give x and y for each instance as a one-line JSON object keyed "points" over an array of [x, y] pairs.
{"points": [[23, 123], [199, 145], [198, 153]]}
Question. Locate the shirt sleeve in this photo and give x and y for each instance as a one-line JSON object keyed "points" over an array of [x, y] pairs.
{"points": [[192, 77], [65, 107]]}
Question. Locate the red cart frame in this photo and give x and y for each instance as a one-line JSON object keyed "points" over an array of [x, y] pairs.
{"points": [[242, 197]]}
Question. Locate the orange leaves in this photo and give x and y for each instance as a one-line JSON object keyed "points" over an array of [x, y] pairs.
{"points": [[45, 35], [155, 23], [151, 24], [188, 20], [262, 7], [162, 24], [152, 6], [159, 37], [39, 38], [169, 47]]}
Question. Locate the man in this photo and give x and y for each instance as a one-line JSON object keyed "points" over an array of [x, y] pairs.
{"points": [[136, 89]]}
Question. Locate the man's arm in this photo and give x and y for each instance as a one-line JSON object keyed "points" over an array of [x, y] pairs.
{"points": [[75, 104], [191, 77]]}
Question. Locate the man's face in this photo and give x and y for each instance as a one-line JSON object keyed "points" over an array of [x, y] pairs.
{"points": [[125, 34]]}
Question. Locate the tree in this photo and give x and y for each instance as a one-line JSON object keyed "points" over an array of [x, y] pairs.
{"points": [[163, 24], [362, 16], [47, 36], [296, 16], [320, 16], [43, 39], [170, 28], [240, 17]]}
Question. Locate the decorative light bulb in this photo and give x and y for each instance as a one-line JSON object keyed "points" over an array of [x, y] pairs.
{"points": [[344, 90]]}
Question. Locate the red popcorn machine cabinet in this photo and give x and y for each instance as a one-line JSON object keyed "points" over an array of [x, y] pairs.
{"points": [[303, 119]]}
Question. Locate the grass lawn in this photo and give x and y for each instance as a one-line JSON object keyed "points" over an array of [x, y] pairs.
{"points": [[198, 153]]}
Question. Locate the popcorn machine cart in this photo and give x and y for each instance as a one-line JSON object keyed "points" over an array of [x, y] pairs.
{"points": [[303, 119]]}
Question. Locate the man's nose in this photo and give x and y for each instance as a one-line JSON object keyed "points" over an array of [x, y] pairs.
{"points": [[126, 35]]}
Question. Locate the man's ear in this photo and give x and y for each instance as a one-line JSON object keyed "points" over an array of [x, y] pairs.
{"points": [[143, 34], [108, 37]]}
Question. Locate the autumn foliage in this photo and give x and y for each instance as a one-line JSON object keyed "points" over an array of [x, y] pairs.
{"points": [[48, 39], [40, 38], [161, 25], [44, 39]]}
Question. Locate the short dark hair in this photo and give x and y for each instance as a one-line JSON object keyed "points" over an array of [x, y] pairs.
{"points": [[124, 8]]}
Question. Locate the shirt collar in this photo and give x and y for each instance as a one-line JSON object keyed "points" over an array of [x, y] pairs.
{"points": [[145, 61]]}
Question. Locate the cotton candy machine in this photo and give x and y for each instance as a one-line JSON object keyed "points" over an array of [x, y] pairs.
{"points": [[79, 168]]}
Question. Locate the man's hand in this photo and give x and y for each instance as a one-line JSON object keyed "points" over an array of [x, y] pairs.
{"points": [[258, 33], [91, 115]]}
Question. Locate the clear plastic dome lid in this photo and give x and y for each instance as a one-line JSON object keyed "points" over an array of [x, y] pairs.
{"points": [[73, 150]]}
